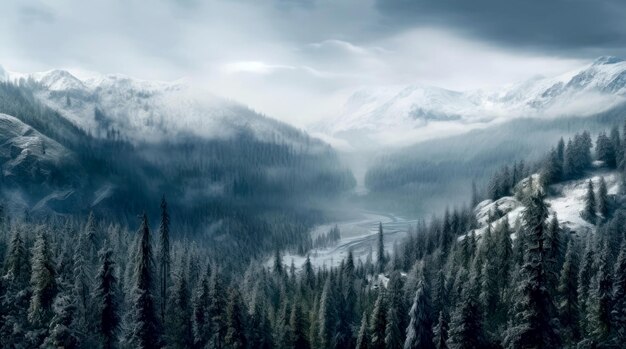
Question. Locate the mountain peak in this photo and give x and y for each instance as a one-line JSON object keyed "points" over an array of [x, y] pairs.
{"points": [[604, 60], [59, 80]]}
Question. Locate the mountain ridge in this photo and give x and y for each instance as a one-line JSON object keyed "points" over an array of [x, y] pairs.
{"points": [[416, 112]]}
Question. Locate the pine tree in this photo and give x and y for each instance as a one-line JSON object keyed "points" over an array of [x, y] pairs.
{"points": [[327, 316], [235, 333], [616, 142], [441, 332], [61, 331], [17, 265], [83, 281], [534, 326], [419, 333], [179, 314], [381, 250], [42, 282], [568, 294], [603, 296], [466, 330], [605, 150], [106, 299], [308, 277], [378, 322], [298, 327], [553, 253], [440, 297], [603, 204], [489, 292], [587, 270], [560, 150], [278, 263], [200, 312], [589, 212], [164, 257], [145, 327], [504, 254], [619, 295], [216, 311], [363, 339], [396, 320]]}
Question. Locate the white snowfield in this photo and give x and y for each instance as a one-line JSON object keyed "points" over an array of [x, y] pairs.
{"points": [[405, 114], [567, 201], [20, 145], [359, 236]]}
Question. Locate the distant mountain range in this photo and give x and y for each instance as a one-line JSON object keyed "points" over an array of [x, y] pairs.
{"points": [[403, 115]]}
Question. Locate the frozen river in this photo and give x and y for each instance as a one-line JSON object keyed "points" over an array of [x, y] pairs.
{"points": [[358, 235]]}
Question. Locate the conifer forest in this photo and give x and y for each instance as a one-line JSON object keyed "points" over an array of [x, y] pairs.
{"points": [[312, 174]]}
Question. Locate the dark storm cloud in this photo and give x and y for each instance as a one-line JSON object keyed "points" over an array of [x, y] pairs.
{"points": [[298, 59], [580, 27]]}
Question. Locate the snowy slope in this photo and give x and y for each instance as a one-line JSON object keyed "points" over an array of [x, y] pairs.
{"points": [[149, 110], [567, 202], [400, 115], [22, 149]]}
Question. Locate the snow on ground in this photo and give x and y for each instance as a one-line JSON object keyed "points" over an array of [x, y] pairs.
{"points": [[359, 236], [566, 199]]}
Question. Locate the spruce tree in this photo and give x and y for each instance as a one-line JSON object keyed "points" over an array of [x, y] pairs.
{"points": [[378, 322], [441, 332], [61, 333], [106, 299], [466, 328], [327, 316], [298, 326], [363, 339], [605, 150], [235, 333], [419, 333], [589, 212], [145, 330], [603, 296], [42, 281], [164, 257], [569, 312], [200, 312], [504, 254], [179, 314], [587, 270], [381, 250], [534, 326], [217, 310], [553, 253], [17, 265], [603, 204], [396, 320], [619, 295]]}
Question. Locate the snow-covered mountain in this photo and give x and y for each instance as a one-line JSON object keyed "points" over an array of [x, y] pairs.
{"points": [[147, 110], [401, 115], [133, 140]]}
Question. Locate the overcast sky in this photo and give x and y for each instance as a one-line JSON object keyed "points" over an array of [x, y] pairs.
{"points": [[296, 59]]}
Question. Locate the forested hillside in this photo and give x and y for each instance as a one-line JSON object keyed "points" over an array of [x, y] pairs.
{"points": [[240, 192], [430, 175], [470, 278]]}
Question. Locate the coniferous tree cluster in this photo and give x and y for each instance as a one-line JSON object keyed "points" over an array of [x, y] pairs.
{"points": [[452, 283]]}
